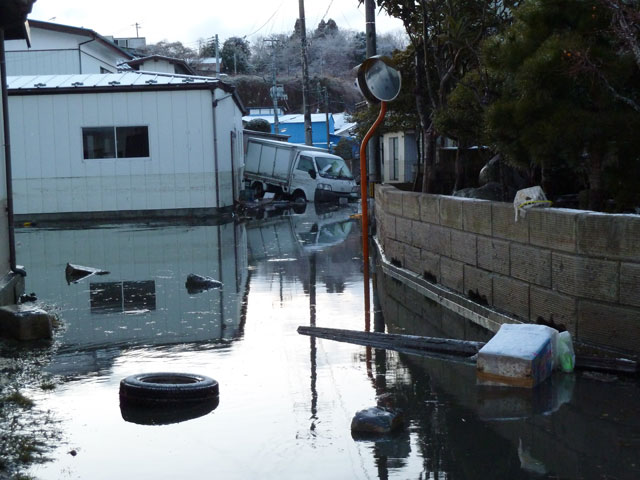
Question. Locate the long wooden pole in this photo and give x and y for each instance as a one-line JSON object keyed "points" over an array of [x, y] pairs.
{"points": [[306, 108], [365, 210]]}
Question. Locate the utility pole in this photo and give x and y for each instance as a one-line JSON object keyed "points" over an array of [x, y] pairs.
{"points": [[308, 138], [217, 58], [374, 146], [137, 25], [326, 114], [274, 88]]}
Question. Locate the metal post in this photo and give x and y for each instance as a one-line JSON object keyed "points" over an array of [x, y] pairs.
{"points": [[217, 59], [274, 87], [308, 137], [7, 159], [370, 29], [365, 209], [326, 109]]}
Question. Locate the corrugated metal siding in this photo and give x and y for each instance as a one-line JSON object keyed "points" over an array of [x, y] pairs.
{"points": [[51, 176], [42, 62]]}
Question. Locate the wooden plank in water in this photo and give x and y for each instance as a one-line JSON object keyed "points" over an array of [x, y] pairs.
{"points": [[463, 348], [603, 364], [393, 341]]}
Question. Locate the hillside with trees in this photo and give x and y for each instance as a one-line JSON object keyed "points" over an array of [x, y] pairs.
{"points": [[332, 55]]}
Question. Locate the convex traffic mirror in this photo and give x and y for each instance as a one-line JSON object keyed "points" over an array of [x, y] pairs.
{"points": [[378, 80]]}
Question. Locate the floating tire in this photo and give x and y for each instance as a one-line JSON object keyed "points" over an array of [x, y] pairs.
{"points": [[155, 389]]}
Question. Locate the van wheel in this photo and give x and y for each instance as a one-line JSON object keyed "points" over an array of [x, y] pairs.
{"points": [[299, 197], [258, 189]]}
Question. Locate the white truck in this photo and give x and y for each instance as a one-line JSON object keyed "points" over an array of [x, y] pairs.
{"points": [[301, 172]]}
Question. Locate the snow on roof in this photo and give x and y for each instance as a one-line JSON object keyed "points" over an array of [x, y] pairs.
{"points": [[290, 118], [340, 119], [345, 130], [121, 79], [209, 60]]}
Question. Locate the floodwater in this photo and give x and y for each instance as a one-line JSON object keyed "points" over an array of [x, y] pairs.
{"points": [[287, 400]]}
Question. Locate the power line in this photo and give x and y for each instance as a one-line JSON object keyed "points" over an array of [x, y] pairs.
{"points": [[325, 13], [265, 23]]}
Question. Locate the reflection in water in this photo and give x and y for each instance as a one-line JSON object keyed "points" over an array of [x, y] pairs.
{"points": [[128, 297], [288, 401], [312, 348], [145, 271], [167, 414], [568, 427]]}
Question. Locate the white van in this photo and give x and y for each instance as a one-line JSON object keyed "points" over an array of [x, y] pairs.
{"points": [[299, 171]]}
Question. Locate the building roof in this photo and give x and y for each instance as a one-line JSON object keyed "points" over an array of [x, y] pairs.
{"points": [[13, 19], [86, 32], [174, 61], [290, 118], [114, 82], [209, 60], [345, 130]]}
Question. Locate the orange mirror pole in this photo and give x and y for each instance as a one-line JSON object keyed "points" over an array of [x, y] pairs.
{"points": [[365, 210]]}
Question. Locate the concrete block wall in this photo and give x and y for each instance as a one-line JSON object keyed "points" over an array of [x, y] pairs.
{"points": [[573, 268]]}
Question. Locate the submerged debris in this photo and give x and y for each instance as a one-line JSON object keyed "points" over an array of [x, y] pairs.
{"points": [[198, 283], [75, 273], [28, 297], [25, 322], [377, 420]]}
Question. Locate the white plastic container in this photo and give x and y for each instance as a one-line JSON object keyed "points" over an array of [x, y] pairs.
{"points": [[519, 355]]}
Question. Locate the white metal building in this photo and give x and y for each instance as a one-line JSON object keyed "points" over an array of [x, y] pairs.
{"points": [[62, 49], [158, 64], [399, 156], [127, 144]]}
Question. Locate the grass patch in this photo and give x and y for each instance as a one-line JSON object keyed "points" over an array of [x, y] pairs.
{"points": [[48, 385], [18, 399]]}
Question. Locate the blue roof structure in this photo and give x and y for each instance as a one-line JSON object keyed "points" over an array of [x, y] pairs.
{"points": [[293, 125]]}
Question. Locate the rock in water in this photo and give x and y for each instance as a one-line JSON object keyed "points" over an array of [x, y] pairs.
{"points": [[377, 420]]}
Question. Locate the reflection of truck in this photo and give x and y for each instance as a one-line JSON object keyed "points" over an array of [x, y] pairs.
{"points": [[293, 234], [299, 171]]}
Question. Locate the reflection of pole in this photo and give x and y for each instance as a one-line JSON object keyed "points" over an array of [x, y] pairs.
{"points": [[312, 322], [365, 209]]}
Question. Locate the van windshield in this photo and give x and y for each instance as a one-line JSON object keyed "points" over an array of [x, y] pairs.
{"points": [[331, 167]]}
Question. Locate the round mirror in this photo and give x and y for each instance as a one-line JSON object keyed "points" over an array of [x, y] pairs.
{"points": [[378, 80]]}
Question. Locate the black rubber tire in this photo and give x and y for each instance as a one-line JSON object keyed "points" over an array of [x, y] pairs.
{"points": [[299, 197], [167, 387], [258, 190]]}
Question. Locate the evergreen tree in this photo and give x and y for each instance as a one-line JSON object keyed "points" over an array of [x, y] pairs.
{"points": [[235, 55], [553, 110]]}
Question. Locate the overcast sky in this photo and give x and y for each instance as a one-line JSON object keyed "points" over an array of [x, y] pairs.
{"points": [[189, 20]]}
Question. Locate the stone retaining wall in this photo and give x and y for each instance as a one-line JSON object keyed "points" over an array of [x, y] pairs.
{"points": [[573, 268]]}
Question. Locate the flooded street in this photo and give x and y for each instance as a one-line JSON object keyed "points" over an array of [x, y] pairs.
{"points": [[287, 400]]}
